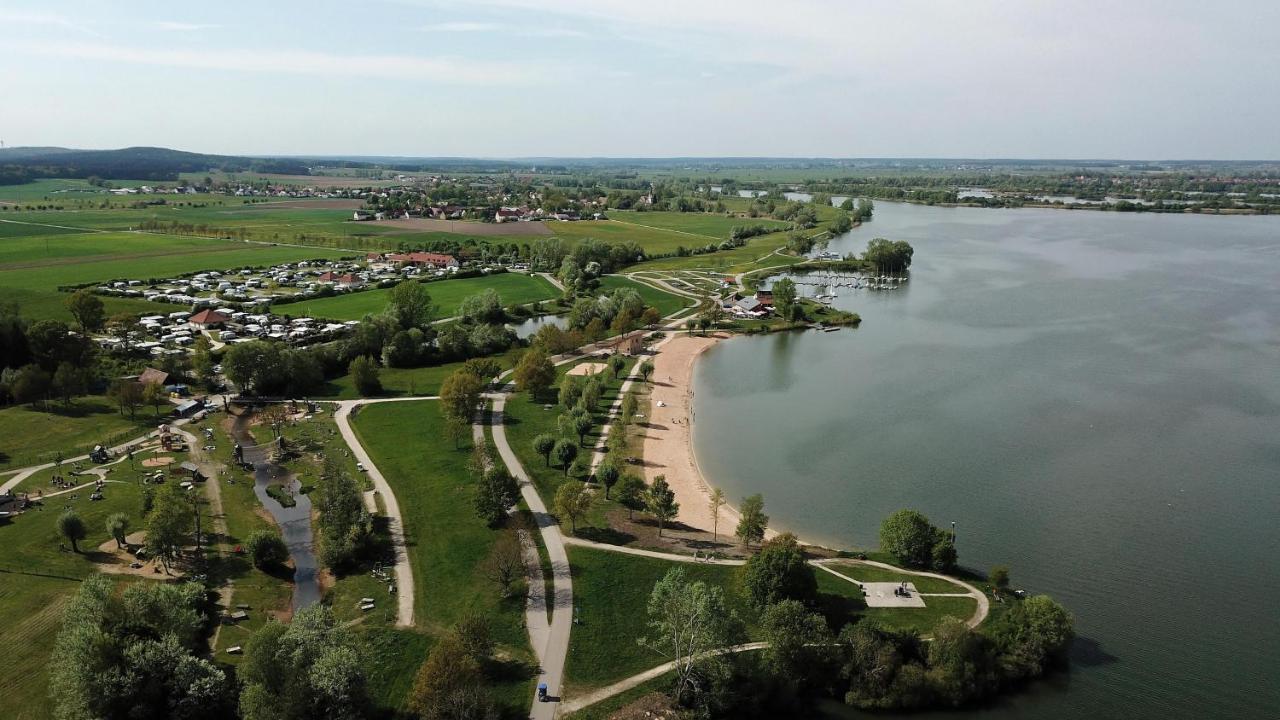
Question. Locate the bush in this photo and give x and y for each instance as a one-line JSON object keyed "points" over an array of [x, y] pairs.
{"points": [[267, 549]]}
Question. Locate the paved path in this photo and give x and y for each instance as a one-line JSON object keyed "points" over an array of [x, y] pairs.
{"points": [[656, 554], [553, 652], [395, 522], [979, 615], [609, 691], [24, 473]]}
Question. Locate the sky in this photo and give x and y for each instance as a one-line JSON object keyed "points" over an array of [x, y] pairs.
{"points": [[648, 78]]}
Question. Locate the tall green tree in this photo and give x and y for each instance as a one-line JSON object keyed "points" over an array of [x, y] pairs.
{"points": [[118, 527], [779, 572], [573, 500], [544, 444], [460, 395], [660, 501], [71, 527], [752, 522], [409, 305], [169, 524], [908, 536], [310, 668], [565, 451], [87, 309], [687, 620], [534, 373]]}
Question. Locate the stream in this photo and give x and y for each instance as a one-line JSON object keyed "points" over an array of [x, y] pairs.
{"points": [[294, 522]]}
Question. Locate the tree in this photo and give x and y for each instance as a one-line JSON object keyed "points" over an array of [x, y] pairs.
{"points": [[310, 668], [631, 494], [484, 368], [87, 309], [409, 305], [202, 359], [646, 369], [344, 524], [118, 527], [127, 394], [617, 364], [582, 424], [607, 472], [168, 524], [573, 500], [449, 685], [257, 367], [133, 654], [364, 373], [570, 391], [779, 572], [456, 430], [505, 562], [154, 395], [660, 501], [797, 641], [31, 383], [943, 553], [544, 444], [67, 382], [495, 494], [473, 634], [267, 549], [999, 578], [752, 521], [687, 621], [484, 307], [534, 373], [784, 298], [908, 536], [460, 395], [565, 452], [889, 256], [630, 406], [71, 527], [714, 503]]}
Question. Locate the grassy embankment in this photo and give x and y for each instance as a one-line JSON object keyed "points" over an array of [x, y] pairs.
{"points": [[665, 302], [447, 541]]}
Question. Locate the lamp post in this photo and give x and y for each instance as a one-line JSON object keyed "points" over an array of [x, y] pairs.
{"points": [[953, 533]]}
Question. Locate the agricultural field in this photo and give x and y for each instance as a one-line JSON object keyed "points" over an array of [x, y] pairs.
{"points": [[447, 295], [31, 269], [709, 225]]}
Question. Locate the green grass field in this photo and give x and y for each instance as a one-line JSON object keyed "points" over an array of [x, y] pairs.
{"points": [[612, 592], [665, 302], [447, 542], [28, 435], [36, 579], [407, 381], [447, 295], [709, 225], [30, 271]]}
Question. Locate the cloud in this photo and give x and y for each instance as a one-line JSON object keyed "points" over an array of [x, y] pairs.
{"points": [[48, 19], [171, 26], [459, 27], [448, 70]]}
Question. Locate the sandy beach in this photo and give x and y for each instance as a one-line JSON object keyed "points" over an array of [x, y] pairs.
{"points": [[668, 445]]}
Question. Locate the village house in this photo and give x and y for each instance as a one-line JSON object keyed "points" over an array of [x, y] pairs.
{"points": [[425, 259], [362, 215], [208, 318]]}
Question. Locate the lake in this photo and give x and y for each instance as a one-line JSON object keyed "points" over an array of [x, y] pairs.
{"points": [[1094, 399]]}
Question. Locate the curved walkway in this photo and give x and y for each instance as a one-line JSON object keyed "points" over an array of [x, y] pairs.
{"points": [[555, 647], [979, 615], [621, 686], [395, 522]]}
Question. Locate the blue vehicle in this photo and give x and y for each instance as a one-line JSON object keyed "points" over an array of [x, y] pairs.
{"points": [[542, 692]]}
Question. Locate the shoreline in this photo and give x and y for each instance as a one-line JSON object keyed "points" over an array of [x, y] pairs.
{"points": [[668, 445]]}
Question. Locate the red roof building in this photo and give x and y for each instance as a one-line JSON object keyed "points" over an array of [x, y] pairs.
{"points": [[208, 318], [426, 259]]}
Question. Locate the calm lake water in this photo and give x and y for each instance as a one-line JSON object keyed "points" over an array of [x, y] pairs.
{"points": [[1093, 397]]}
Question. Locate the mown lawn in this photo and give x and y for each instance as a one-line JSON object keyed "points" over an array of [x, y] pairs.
{"points": [[407, 381], [447, 295], [665, 302], [36, 579], [447, 541], [611, 591], [711, 225], [30, 436]]}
